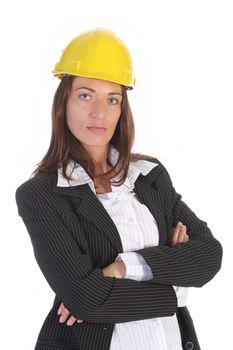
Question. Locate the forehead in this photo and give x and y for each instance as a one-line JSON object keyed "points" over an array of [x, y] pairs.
{"points": [[96, 84]]}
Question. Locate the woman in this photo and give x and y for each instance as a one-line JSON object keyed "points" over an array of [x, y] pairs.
{"points": [[112, 237]]}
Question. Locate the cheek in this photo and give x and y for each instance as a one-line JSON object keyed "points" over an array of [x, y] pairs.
{"points": [[114, 115], [117, 117], [74, 115]]}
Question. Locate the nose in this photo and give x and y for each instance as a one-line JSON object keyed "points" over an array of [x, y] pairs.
{"points": [[98, 110]]}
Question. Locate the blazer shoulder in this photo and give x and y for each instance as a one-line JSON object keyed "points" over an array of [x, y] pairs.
{"points": [[159, 175], [39, 183]]}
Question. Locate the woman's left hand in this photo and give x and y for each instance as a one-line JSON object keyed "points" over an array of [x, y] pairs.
{"points": [[179, 234], [116, 269]]}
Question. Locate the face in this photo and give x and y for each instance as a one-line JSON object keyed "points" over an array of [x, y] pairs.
{"points": [[92, 104]]}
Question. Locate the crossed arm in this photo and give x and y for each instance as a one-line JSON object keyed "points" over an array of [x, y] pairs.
{"points": [[118, 270], [89, 292]]}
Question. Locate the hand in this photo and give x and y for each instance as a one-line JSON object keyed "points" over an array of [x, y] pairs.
{"points": [[64, 314], [116, 269], [179, 234]]}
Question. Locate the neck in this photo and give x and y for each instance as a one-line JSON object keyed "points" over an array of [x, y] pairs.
{"points": [[100, 156]]}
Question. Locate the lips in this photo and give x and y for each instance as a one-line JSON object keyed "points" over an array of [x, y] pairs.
{"points": [[96, 127]]}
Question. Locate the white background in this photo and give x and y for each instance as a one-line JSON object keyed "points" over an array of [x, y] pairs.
{"points": [[182, 106]]}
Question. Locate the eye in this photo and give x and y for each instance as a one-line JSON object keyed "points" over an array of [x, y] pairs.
{"points": [[114, 101], [84, 95]]}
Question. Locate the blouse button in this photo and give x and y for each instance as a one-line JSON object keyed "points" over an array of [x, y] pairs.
{"points": [[131, 219]]}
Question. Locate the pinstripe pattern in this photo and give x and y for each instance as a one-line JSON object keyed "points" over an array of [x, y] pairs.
{"points": [[73, 238]]}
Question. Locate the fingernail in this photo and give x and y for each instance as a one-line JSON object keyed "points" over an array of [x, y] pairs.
{"points": [[79, 321], [59, 311]]}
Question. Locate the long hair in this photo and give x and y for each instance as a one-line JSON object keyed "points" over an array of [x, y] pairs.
{"points": [[64, 146]]}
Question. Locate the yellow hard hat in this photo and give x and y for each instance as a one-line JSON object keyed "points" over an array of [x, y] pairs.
{"points": [[97, 53]]}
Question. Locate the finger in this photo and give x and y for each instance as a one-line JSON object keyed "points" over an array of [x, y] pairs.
{"points": [[182, 232], [183, 237], [64, 315], [175, 233], [179, 235], [60, 309], [71, 321]]}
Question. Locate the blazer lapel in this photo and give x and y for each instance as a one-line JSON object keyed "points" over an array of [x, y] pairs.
{"points": [[88, 205], [94, 211]]}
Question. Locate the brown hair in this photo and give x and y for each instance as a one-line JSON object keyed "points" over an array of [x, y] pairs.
{"points": [[64, 146]]}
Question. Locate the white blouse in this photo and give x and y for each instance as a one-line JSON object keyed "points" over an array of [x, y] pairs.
{"points": [[137, 229]]}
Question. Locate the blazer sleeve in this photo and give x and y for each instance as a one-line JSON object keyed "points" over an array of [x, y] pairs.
{"points": [[83, 289], [190, 264]]}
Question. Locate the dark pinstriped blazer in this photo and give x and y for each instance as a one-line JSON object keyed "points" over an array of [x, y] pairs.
{"points": [[74, 237]]}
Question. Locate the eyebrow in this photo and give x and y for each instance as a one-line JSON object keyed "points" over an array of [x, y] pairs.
{"points": [[92, 90]]}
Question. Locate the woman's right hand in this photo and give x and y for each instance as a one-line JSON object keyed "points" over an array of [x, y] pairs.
{"points": [[65, 314], [179, 234]]}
